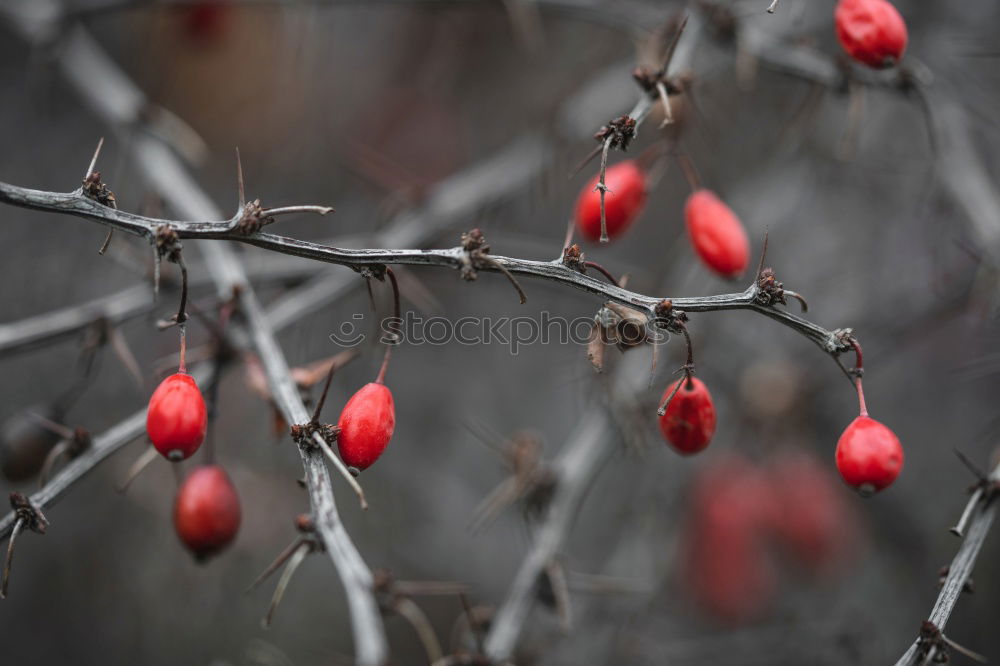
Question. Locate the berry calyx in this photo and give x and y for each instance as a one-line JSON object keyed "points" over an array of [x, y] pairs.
{"points": [[366, 425], [177, 418], [207, 511], [871, 31], [623, 201], [688, 422], [717, 234]]}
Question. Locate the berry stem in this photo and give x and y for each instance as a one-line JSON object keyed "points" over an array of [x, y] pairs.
{"points": [[690, 172], [182, 366], [396, 311], [603, 189], [858, 371], [602, 270], [182, 310], [50, 462], [688, 369]]}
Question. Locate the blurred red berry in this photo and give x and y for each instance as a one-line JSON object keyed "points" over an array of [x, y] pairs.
{"points": [[725, 565], [207, 511], [871, 31], [717, 234], [811, 517], [206, 22]]}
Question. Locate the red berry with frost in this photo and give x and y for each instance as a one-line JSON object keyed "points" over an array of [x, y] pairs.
{"points": [[176, 418], [717, 234], [623, 201], [871, 31], [689, 420], [207, 511], [366, 425]]}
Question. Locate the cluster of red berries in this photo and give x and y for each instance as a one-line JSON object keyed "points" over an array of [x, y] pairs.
{"points": [[745, 517], [716, 233], [869, 455], [207, 508]]}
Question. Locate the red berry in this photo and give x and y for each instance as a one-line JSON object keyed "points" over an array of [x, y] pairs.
{"points": [[869, 455], [811, 517], [623, 201], [366, 425], [717, 234], [689, 421], [177, 418], [206, 22], [724, 563], [207, 511], [871, 31]]}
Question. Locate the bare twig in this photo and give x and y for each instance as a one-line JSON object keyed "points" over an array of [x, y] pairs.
{"points": [[983, 512]]}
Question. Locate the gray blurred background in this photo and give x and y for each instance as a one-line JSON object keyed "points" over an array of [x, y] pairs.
{"points": [[366, 107]]}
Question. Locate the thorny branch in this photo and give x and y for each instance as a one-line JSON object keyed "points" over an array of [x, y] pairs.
{"points": [[121, 104], [983, 506], [74, 203], [825, 339]]}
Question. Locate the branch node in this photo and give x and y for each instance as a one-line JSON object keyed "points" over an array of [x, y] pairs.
{"points": [[253, 218], [26, 510]]}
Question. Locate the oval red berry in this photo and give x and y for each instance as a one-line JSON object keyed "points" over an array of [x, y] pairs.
{"points": [[717, 234], [176, 418], [366, 425], [871, 31], [689, 420], [869, 455], [623, 201], [207, 511]]}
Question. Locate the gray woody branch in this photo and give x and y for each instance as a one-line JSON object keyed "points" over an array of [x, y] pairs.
{"points": [[121, 104], [982, 510], [75, 203]]}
